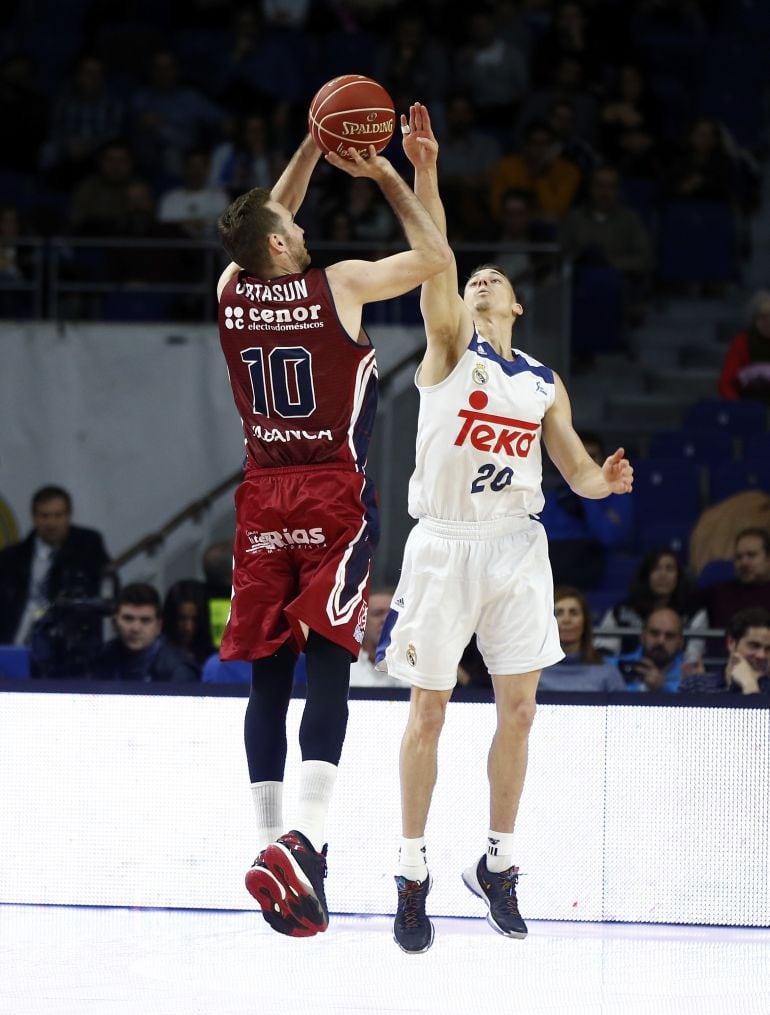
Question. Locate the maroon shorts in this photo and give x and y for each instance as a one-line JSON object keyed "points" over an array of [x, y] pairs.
{"points": [[304, 540]]}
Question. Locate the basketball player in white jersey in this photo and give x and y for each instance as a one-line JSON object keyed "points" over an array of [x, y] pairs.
{"points": [[477, 560]]}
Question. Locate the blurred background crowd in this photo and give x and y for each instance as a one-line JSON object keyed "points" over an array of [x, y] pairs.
{"points": [[593, 123], [626, 138]]}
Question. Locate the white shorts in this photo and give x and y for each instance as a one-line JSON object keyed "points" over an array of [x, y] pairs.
{"points": [[492, 579]]}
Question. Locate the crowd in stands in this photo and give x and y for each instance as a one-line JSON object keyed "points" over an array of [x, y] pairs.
{"points": [[667, 633], [586, 123], [606, 127]]}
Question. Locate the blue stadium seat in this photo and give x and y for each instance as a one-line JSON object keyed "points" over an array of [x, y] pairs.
{"points": [[598, 310], [671, 487], [620, 567], [697, 242], [216, 671], [699, 446], [667, 501], [652, 534], [716, 571], [734, 477], [739, 418], [14, 661], [756, 447]]}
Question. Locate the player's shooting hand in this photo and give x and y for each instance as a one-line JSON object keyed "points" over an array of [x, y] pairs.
{"points": [[420, 144], [618, 473], [356, 164]]}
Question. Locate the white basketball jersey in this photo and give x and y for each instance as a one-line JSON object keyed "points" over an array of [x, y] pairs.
{"points": [[478, 455]]}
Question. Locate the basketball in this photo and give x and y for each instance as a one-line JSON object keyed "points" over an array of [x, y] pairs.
{"points": [[351, 111]]}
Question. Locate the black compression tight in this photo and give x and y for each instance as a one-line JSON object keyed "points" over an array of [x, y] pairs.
{"points": [[324, 718], [264, 727]]}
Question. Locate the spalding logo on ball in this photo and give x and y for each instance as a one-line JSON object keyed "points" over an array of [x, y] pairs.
{"points": [[351, 111]]}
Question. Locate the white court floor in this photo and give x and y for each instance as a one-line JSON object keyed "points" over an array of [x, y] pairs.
{"points": [[90, 961]]}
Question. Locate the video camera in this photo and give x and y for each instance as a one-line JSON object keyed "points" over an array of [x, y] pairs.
{"points": [[65, 640]]}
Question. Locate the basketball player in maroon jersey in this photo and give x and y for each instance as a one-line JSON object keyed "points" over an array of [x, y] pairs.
{"points": [[304, 380]]}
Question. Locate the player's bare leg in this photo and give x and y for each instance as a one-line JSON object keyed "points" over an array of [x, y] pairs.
{"points": [[494, 877], [418, 765]]}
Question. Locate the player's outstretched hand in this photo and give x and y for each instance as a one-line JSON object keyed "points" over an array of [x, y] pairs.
{"points": [[618, 473], [420, 144], [372, 165]]}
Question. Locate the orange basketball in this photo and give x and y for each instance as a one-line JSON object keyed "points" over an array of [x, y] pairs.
{"points": [[351, 111]]}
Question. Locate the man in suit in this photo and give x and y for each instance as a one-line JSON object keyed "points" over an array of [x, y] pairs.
{"points": [[56, 559]]}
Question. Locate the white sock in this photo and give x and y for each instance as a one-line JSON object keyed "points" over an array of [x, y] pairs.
{"points": [[411, 859], [268, 808], [316, 783], [499, 851]]}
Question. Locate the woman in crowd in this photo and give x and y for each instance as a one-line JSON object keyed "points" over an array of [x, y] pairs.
{"points": [[746, 366], [186, 620], [583, 667], [660, 580]]}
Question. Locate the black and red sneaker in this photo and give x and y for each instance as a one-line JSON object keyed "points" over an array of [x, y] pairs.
{"points": [[287, 925], [287, 879], [271, 896]]}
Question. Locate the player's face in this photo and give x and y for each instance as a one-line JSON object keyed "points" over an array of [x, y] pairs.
{"points": [[490, 290], [751, 560], [663, 576], [137, 626], [569, 617], [754, 646], [294, 237], [51, 519]]}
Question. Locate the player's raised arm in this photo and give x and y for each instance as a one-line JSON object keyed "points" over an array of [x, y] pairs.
{"points": [[291, 186], [447, 320], [397, 274]]}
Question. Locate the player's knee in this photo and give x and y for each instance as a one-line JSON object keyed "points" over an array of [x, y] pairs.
{"points": [[426, 717], [520, 716]]}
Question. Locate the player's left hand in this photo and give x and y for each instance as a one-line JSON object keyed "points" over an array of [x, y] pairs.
{"points": [[617, 472], [420, 144]]}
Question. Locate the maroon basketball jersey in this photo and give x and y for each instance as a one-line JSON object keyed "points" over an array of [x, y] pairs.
{"points": [[306, 392]]}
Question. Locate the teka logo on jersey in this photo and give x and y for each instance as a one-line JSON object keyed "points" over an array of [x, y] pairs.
{"points": [[498, 434], [296, 539]]}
